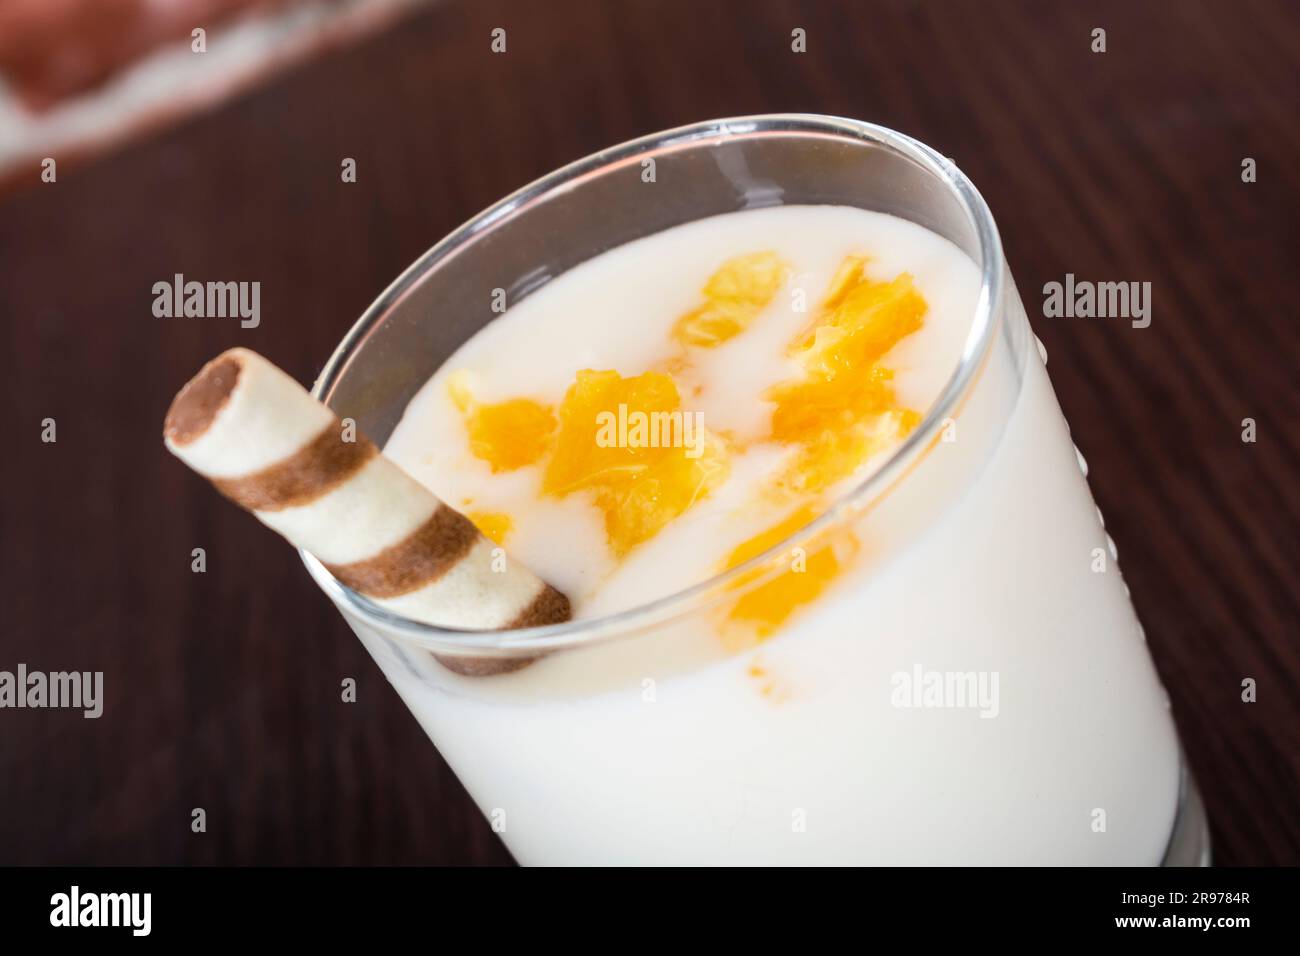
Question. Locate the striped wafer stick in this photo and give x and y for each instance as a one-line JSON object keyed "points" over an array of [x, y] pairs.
{"points": [[270, 447]]}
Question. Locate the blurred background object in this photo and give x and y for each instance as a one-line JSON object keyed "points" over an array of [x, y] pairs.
{"points": [[76, 75]]}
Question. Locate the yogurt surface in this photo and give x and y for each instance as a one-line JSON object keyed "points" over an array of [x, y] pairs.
{"points": [[617, 312]]}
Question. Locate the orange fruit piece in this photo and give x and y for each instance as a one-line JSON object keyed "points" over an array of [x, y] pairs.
{"points": [[843, 408], [629, 443], [507, 435], [868, 320], [733, 296], [764, 607], [495, 525]]}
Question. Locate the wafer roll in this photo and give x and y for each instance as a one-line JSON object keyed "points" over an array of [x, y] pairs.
{"points": [[270, 447]]}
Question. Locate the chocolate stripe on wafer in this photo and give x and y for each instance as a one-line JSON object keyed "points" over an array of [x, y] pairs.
{"points": [[416, 561], [483, 666], [321, 465], [265, 443], [549, 607]]}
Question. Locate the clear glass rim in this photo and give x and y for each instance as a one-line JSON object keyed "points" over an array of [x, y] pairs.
{"points": [[984, 325]]}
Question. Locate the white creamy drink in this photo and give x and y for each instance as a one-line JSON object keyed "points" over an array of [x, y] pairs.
{"points": [[949, 673]]}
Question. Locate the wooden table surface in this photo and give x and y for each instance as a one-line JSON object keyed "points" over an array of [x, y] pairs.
{"points": [[222, 689]]}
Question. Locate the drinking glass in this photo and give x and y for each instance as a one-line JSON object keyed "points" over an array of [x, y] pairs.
{"points": [[975, 689]]}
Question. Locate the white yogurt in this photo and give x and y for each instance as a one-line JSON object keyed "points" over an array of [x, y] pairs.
{"points": [[811, 747], [617, 312]]}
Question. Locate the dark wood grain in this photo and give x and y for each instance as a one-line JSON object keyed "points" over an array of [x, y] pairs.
{"points": [[223, 689]]}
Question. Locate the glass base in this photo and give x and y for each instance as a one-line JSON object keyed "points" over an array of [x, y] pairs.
{"points": [[1189, 843]]}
